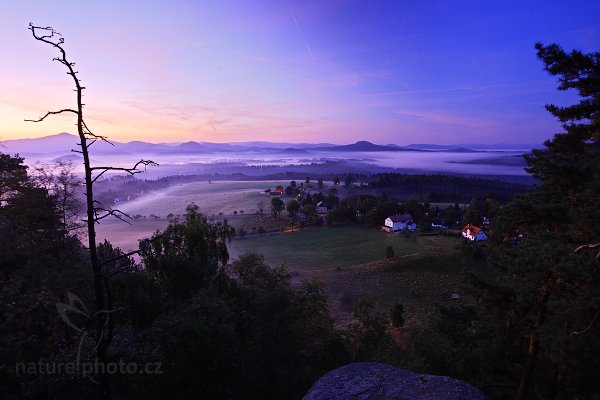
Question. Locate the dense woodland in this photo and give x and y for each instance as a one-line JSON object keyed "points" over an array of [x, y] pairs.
{"points": [[238, 329]]}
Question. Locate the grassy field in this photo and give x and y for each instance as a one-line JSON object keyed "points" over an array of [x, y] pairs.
{"points": [[350, 262], [126, 236], [213, 198], [419, 283], [325, 248]]}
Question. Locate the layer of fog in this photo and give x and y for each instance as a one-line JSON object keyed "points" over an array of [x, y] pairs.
{"points": [[472, 163]]}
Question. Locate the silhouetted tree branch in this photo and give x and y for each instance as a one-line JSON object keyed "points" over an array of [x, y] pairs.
{"points": [[132, 171], [591, 246], [52, 113]]}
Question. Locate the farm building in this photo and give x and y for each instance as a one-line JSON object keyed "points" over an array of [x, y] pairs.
{"points": [[275, 192], [473, 233], [402, 222], [322, 208]]}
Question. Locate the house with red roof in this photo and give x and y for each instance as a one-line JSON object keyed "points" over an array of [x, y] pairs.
{"points": [[474, 233]]}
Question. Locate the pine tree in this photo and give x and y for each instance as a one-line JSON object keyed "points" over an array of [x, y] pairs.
{"points": [[541, 289]]}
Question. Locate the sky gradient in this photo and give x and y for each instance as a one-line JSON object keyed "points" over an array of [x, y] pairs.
{"points": [[299, 71]]}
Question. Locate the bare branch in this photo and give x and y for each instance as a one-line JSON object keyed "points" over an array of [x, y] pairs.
{"points": [[591, 246], [51, 113], [117, 258], [107, 213], [99, 137], [132, 171], [590, 325], [131, 253]]}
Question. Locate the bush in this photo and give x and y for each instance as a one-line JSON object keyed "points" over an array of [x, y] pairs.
{"points": [[389, 252]]}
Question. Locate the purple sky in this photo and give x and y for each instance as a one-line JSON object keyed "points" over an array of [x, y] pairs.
{"points": [[301, 71]]}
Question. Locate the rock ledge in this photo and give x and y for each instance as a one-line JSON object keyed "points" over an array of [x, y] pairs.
{"points": [[374, 381]]}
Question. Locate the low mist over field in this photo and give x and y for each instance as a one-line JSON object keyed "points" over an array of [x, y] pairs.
{"points": [[264, 158]]}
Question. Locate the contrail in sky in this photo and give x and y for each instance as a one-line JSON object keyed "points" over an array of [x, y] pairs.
{"points": [[299, 30]]}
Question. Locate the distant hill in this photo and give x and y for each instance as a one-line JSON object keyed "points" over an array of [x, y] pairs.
{"points": [[362, 146], [292, 150], [205, 147], [280, 145], [473, 147], [62, 143], [502, 146], [436, 147]]}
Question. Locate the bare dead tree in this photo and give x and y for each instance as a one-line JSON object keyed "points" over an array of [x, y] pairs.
{"points": [[95, 211]]}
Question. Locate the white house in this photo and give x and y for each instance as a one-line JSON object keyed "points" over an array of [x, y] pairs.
{"points": [[402, 222], [473, 233], [322, 208]]}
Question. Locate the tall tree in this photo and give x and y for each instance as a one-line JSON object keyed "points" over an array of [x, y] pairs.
{"points": [[13, 175], [541, 289], [186, 256], [277, 206], [62, 184], [292, 208]]}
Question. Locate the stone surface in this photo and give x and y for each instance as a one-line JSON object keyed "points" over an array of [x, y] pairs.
{"points": [[373, 381]]}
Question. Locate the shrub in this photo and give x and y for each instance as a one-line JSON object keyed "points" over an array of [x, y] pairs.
{"points": [[389, 252]]}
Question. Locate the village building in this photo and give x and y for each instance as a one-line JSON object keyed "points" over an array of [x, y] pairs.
{"points": [[275, 192], [473, 233], [402, 222], [322, 208]]}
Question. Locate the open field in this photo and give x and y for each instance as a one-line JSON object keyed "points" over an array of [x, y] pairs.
{"points": [[326, 248], [350, 263], [126, 236], [419, 283], [212, 198]]}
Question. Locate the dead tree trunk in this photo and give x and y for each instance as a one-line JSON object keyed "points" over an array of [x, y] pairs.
{"points": [[94, 209]]}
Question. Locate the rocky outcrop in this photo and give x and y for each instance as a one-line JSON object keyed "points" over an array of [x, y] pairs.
{"points": [[373, 381]]}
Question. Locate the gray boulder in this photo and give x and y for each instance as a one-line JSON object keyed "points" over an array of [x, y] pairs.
{"points": [[374, 381]]}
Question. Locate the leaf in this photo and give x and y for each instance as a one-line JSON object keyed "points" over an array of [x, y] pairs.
{"points": [[107, 311], [72, 298], [63, 308]]}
